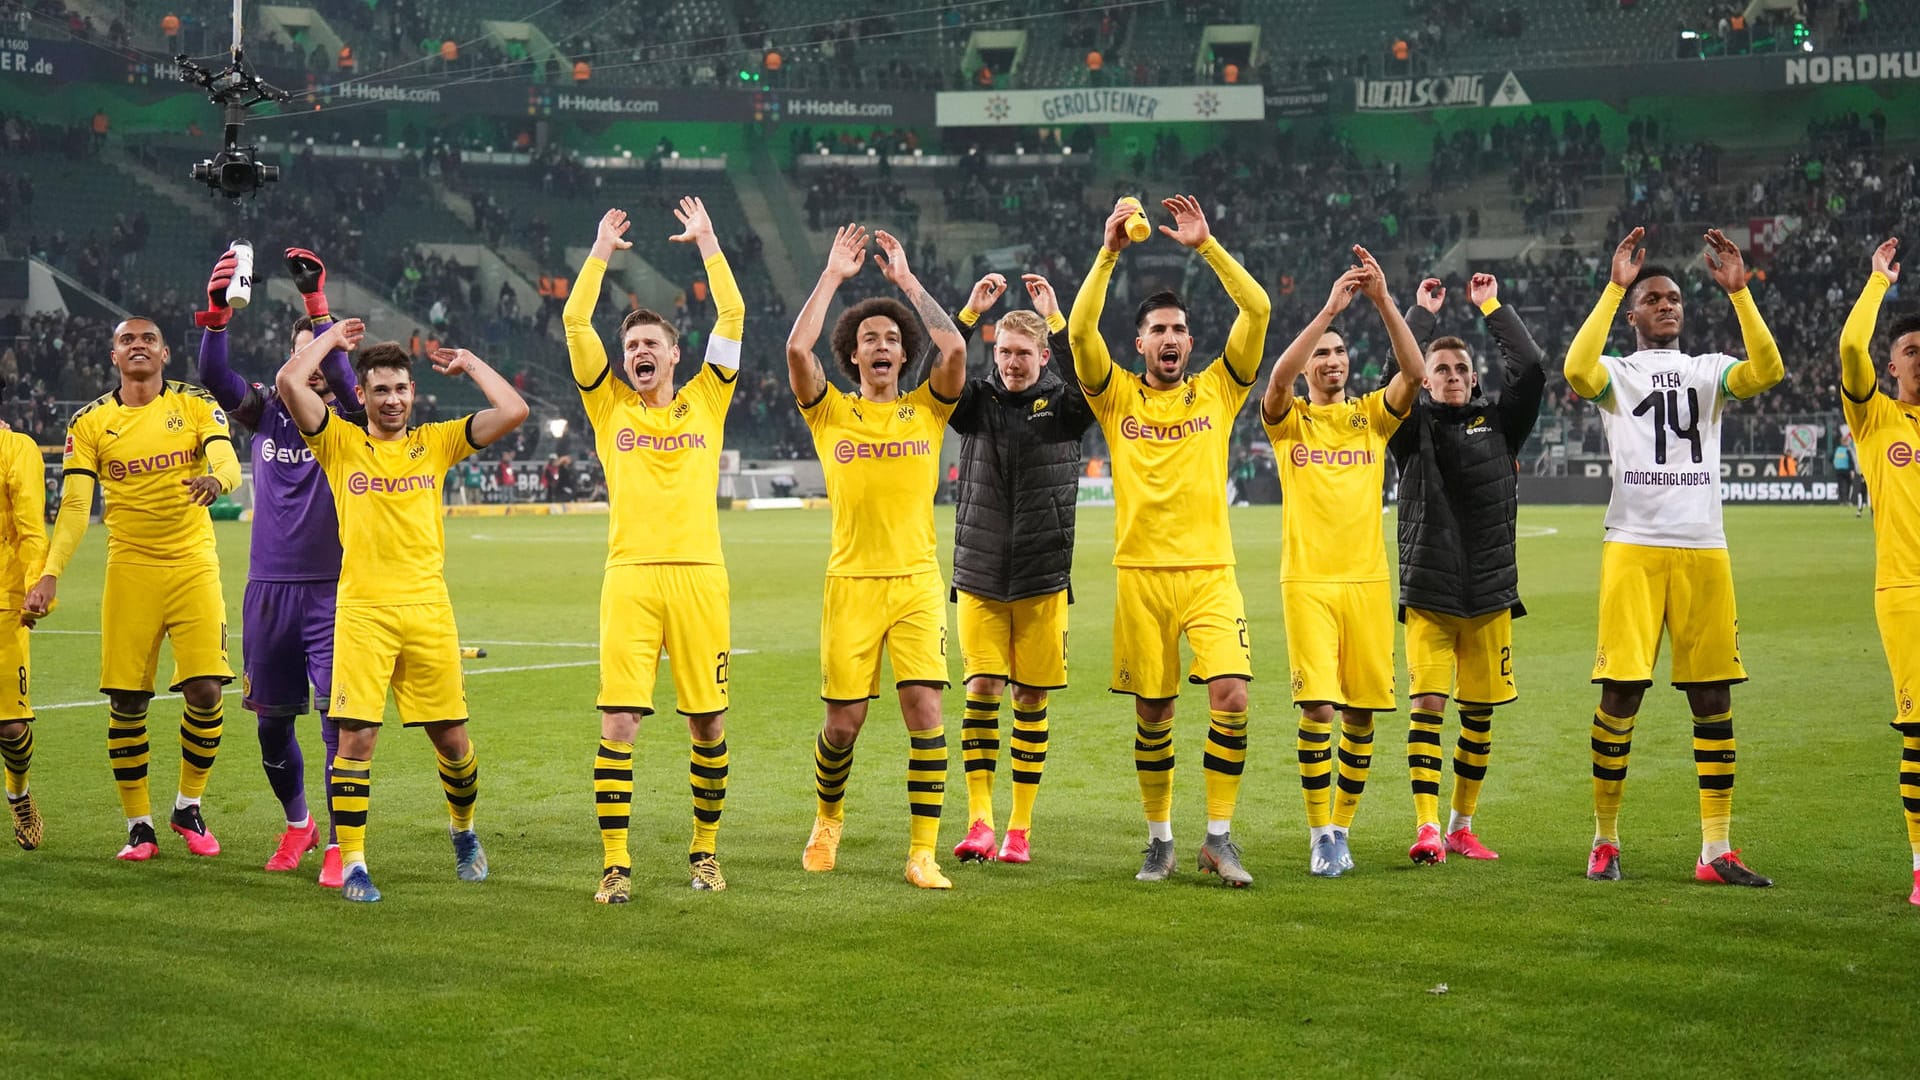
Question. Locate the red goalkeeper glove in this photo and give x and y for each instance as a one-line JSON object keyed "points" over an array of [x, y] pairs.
{"points": [[218, 313], [310, 276]]}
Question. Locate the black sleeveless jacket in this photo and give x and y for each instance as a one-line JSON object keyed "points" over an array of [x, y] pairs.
{"points": [[1459, 486], [1019, 482]]}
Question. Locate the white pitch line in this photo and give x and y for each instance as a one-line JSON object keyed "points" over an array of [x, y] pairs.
{"points": [[1534, 532], [232, 690]]}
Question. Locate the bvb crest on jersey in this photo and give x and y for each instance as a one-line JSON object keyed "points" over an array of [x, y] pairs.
{"points": [[1039, 404], [1357, 421], [905, 412], [1187, 398], [680, 410], [176, 422], [416, 452]]}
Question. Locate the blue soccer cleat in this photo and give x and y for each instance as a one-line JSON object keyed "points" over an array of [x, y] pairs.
{"points": [[358, 887], [469, 861]]}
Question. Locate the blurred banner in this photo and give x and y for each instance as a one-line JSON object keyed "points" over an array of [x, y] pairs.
{"points": [[1099, 105]]}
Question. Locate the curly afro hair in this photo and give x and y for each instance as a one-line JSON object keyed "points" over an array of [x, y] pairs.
{"points": [[846, 333]]}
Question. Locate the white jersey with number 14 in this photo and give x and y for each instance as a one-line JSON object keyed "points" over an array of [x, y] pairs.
{"points": [[1662, 418]]}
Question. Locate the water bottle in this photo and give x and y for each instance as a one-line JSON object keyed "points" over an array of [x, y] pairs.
{"points": [[240, 290]]}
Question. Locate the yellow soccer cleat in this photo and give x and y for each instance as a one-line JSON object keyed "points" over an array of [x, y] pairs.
{"points": [[616, 886], [706, 874], [823, 847], [924, 873], [26, 821]]}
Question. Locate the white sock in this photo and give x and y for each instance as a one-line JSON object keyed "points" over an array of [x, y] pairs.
{"points": [[1713, 849], [24, 792], [357, 860], [1160, 830], [1457, 821], [302, 823], [181, 802], [1338, 832], [1318, 831], [1916, 862], [333, 847], [144, 819], [1219, 826]]}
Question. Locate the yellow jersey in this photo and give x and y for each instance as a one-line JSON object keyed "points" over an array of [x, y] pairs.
{"points": [[663, 467], [1169, 450], [882, 463], [388, 494], [1886, 442], [1333, 463], [141, 458], [23, 483]]}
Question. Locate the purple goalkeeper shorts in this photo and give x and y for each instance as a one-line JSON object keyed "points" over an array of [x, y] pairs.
{"points": [[286, 642]]}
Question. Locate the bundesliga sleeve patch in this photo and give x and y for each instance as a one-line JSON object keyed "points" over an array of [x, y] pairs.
{"points": [[723, 352], [220, 418], [69, 452]]}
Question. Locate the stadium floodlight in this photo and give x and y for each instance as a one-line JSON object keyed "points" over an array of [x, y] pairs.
{"points": [[557, 427], [236, 170], [1689, 35]]}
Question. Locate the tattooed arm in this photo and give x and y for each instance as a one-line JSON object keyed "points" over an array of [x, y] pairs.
{"points": [[949, 374]]}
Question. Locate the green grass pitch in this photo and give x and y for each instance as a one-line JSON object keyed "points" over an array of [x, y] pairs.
{"points": [[186, 967]]}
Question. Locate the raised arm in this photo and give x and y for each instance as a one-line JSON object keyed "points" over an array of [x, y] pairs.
{"points": [[309, 275], [1405, 384], [729, 307], [1247, 340], [1279, 394], [1763, 368], [986, 293], [1523, 374], [1092, 364], [949, 374], [1584, 372], [1857, 378], [585, 354], [804, 373], [309, 412], [506, 410]]}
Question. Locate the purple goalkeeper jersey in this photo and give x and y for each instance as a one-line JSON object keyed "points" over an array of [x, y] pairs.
{"points": [[296, 534]]}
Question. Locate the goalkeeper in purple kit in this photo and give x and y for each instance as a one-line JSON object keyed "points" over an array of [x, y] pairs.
{"points": [[287, 617]]}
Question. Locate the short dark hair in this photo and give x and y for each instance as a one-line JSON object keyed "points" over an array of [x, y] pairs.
{"points": [[1904, 325], [846, 332], [645, 317], [1165, 298], [1648, 273], [1453, 343], [385, 354], [303, 324]]}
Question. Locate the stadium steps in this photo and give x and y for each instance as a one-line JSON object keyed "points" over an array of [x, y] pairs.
{"points": [[768, 197]]}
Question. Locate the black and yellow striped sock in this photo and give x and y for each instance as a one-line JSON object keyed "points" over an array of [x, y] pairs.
{"points": [[1612, 739], [1713, 765], [200, 731], [1315, 746], [707, 773], [1910, 781], [1029, 751], [1225, 760], [1470, 755], [1153, 766], [980, 754], [831, 767], [16, 753], [460, 780], [1423, 765], [1355, 759], [613, 800], [348, 797], [926, 787], [127, 752]]}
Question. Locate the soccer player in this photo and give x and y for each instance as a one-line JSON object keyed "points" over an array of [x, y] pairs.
{"points": [[1846, 469], [286, 619], [394, 621], [1664, 563], [1334, 591], [1886, 432], [1457, 454], [666, 580], [880, 449], [1020, 433], [23, 557], [161, 450], [1168, 431]]}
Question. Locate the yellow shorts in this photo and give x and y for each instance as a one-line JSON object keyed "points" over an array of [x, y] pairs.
{"points": [[682, 607], [1898, 613], [144, 604], [1469, 660], [16, 668], [1023, 641], [413, 648], [1340, 642], [1689, 591], [906, 617], [1152, 608]]}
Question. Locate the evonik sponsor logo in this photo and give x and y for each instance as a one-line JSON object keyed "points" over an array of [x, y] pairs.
{"points": [[629, 439], [1302, 456], [846, 450], [283, 455], [361, 484], [1131, 428], [121, 470], [1900, 454]]}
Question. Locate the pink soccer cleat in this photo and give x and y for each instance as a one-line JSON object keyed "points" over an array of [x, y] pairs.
{"points": [[978, 846], [332, 874], [294, 843], [141, 844], [1014, 848], [193, 828], [1428, 849], [1462, 842]]}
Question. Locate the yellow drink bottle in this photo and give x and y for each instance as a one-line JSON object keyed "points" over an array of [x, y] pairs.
{"points": [[1137, 227]]}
